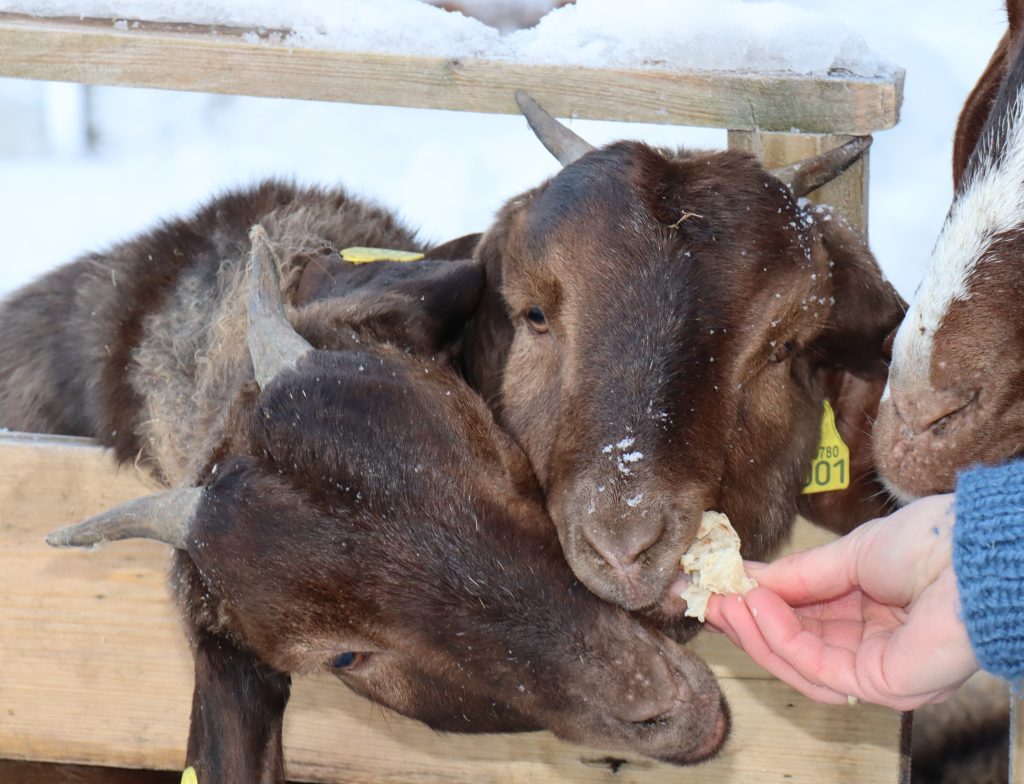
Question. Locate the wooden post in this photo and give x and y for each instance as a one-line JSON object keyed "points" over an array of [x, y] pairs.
{"points": [[848, 193]]}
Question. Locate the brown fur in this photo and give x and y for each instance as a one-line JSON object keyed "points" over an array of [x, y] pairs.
{"points": [[969, 409], [696, 315], [364, 502]]}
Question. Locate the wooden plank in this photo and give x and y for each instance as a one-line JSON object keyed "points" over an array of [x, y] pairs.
{"points": [[848, 193], [96, 670], [220, 61]]}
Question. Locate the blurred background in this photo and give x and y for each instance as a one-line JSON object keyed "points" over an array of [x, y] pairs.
{"points": [[83, 167]]}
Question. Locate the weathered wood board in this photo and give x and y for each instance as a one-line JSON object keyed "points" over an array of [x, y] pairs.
{"points": [[184, 57], [95, 669]]}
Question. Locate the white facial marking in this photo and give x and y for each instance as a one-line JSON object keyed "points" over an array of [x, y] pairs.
{"points": [[989, 203]]}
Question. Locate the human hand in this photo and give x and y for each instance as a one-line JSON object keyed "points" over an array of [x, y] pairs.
{"points": [[874, 615]]}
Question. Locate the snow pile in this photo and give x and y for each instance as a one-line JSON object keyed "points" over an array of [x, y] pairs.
{"points": [[712, 35]]}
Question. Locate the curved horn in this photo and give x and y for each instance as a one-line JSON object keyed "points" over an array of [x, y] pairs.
{"points": [[804, 176], [274, 345], [166, 517], [565, 145]]}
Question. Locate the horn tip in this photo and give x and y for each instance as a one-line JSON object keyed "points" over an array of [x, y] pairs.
{"points": [[66, 537]]}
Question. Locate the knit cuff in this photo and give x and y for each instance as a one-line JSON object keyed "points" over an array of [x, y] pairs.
{"points": [[988, 558]]}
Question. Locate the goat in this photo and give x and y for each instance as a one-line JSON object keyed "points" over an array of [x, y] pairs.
{"points": [[659, 331], [953, 398], [339, 498]]}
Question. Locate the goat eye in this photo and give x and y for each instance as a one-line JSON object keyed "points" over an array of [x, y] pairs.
{"points": [[349, 660], [537, 320], [782, 352]]}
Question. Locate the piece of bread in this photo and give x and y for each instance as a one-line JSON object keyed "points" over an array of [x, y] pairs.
{"points": [[713, 563]]}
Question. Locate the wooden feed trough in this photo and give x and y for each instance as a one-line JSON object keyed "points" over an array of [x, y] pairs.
{"points": [[93, 665]]}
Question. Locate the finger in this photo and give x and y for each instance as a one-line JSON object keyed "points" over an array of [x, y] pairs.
{"points": [[859, 671], [812, 575], [713, 614], [810, 657], [745, 634]]}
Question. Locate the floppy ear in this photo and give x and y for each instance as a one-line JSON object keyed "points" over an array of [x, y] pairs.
{"points": [[851, 359], [237, 715], [421, 305], [238, 702]]}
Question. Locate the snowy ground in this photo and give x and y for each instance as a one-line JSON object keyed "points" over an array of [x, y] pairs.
{"points": [[159, 154]]}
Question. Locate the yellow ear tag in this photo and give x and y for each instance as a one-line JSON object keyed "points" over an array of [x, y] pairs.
{"points": [[188, 776], [830, 468], [367, 255]]}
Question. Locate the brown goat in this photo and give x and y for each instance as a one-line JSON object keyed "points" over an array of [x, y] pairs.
{"points": [[354, 509], [954, 395], [658, 332]]}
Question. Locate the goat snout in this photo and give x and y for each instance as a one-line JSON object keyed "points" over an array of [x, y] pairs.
{"points": [[922, 409], [622, 546], [923, 435], [651, 693], [624, 540]]}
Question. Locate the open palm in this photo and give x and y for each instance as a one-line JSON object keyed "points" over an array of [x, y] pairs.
{"points": [[874, 615]]}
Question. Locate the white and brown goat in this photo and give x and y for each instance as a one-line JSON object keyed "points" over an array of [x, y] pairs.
{"points": [[954, 395]]}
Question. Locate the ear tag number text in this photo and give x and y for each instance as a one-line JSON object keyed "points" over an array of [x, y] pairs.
{"points": [[830, 466]]}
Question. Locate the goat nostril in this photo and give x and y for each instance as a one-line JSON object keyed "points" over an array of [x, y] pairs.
{"points": [[622, 549], [941, 424], [932, 411]]}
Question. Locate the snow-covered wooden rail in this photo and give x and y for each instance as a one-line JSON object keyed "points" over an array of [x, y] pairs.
{"points": [[781, 117], [93, 665]]}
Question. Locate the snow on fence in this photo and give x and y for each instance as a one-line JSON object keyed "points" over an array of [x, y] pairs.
{"points": [[95, 667]]}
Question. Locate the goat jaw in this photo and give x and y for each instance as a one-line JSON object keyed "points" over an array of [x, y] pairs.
{"points": [[166, 517]]}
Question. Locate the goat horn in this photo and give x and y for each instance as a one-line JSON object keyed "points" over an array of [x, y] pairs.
{"points": [[166, 517], [274, 345], [565, 145], [804, 176]]}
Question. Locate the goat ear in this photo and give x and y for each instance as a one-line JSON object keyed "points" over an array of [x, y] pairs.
{"points": [[422, 305], [237, 714], [851, 366], [979, 102]]}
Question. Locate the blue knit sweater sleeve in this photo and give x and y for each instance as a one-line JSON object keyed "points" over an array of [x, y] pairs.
{"points": [[988, 558]]}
